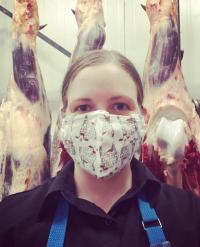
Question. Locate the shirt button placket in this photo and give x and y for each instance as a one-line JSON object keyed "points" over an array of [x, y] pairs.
{"points": [[108, 222]]}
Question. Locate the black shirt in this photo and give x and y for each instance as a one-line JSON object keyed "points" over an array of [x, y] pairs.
{"points": [[25, 218]]}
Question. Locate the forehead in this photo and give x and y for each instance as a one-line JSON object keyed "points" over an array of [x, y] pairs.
{"points": [[106, 79]]}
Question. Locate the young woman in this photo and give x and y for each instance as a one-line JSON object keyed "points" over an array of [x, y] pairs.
{"points": [[104, 196]]}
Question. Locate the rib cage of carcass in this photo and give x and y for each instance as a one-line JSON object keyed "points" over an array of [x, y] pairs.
{"points": [[172, 142], [24, 114]]}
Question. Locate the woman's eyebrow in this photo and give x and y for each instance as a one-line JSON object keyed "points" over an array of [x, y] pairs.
{"points": [[120, 97], [82, 99], [75, 101]]}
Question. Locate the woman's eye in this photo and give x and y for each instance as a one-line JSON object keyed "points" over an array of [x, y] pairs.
{"points": [[121, 107], [82, 108]]}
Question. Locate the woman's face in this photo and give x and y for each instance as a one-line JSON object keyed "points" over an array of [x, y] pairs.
{"points": [[102, 87]]}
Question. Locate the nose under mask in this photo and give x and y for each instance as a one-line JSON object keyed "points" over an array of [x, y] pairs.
{"points": [[102, 143]]}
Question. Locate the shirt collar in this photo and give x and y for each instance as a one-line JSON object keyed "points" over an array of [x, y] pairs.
{"points": [[64, 183]]}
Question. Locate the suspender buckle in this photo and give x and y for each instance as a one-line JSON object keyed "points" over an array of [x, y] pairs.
{"points": [[163, 244], [152, 223]]}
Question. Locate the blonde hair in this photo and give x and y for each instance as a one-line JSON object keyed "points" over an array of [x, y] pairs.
{"points": [[99, 57]]}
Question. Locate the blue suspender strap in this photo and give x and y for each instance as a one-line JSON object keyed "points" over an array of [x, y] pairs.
{"points": [[59, 225], [150, 221], [152, 224]]}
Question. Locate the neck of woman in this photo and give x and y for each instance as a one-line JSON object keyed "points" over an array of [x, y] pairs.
{"points": [[102, 192]]}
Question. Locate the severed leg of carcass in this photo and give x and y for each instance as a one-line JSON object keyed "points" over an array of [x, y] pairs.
{"points": [[91, 36], [25, 163], [90, 21], [172, 141]]}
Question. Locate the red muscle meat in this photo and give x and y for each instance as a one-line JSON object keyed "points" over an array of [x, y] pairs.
{"points": [[172, 141], [25, 116]]}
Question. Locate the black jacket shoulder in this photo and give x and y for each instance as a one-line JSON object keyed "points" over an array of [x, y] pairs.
{"points": [[23, 206], [178, 208]]}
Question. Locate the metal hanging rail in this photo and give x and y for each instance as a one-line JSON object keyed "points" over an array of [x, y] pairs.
{"points": [[41, 35]]}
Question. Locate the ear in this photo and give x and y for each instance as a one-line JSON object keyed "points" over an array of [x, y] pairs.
{"points": [[62, 111]]}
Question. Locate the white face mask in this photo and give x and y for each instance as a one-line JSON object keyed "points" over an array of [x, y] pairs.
{"points": [[102, 143]]}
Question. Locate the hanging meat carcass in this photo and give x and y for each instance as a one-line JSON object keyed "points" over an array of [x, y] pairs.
{"points": [[3, 144], [172, 141], [25, 116], [91, 36]]}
